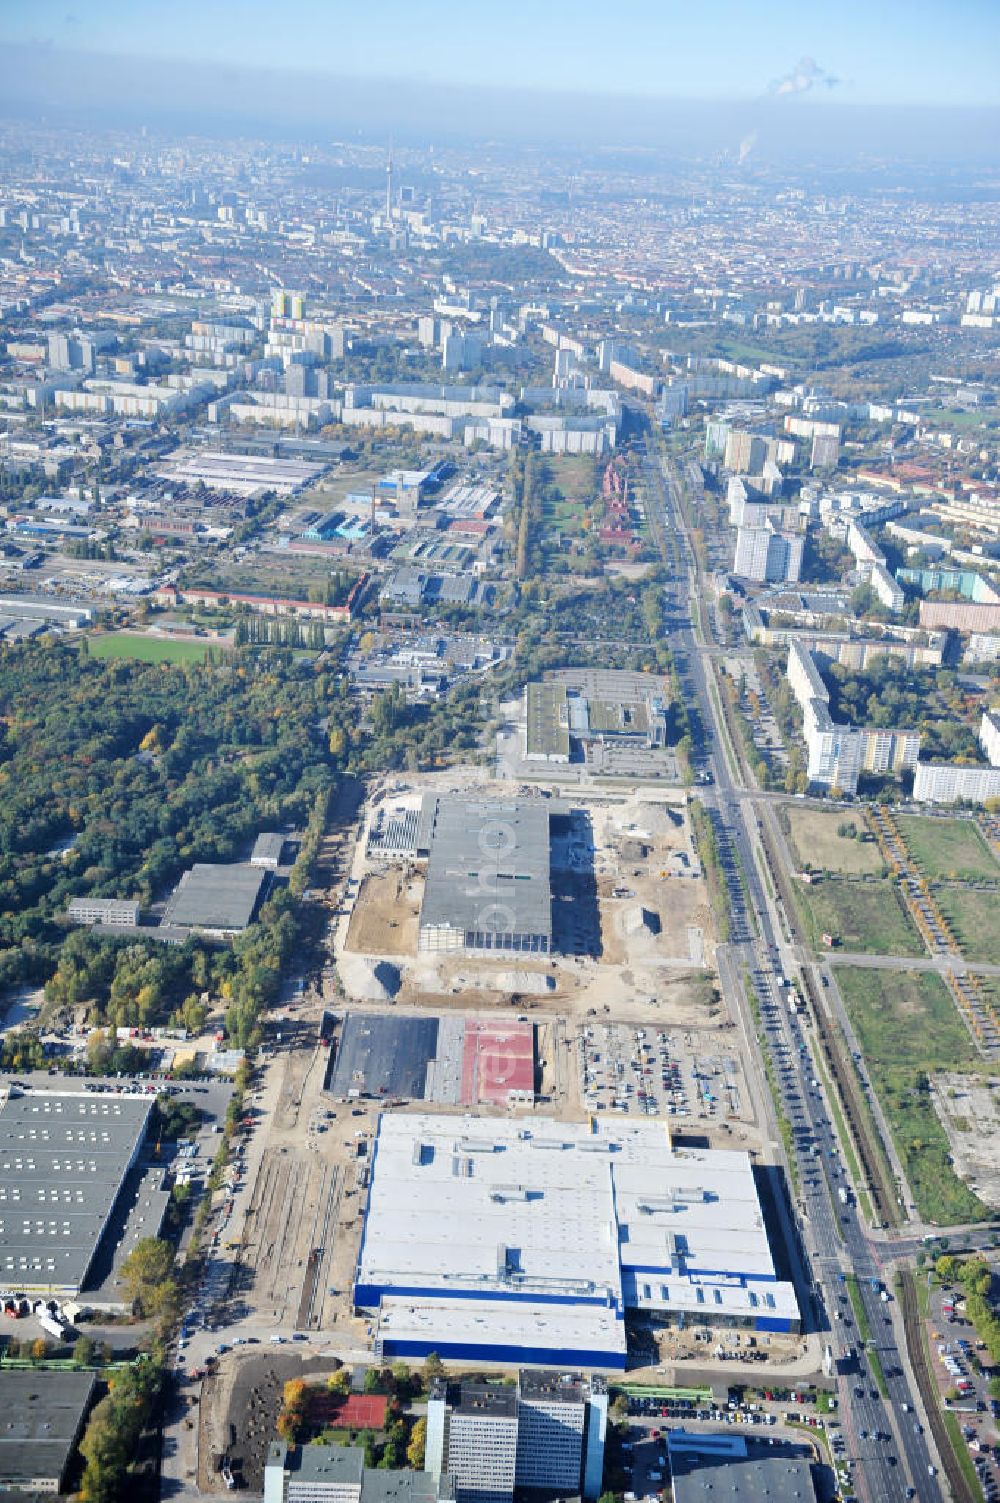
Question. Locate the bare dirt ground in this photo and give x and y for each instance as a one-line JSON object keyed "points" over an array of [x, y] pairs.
{"points": [[386, 913], [676, 904]]}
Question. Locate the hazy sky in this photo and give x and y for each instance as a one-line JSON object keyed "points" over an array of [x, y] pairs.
{"points": [[890, 52]]}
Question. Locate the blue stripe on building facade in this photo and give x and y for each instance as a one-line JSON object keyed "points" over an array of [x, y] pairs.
{"points": [[480, 1352]]}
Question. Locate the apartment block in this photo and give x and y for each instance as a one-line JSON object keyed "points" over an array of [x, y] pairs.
{"points": [[768, 555], [838, 754], [745, 453]]}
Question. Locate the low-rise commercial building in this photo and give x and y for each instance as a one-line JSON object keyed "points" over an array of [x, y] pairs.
{"points": [[217, 898], [115, 913], [337, 1474], [705, 1467], [240, 474], [487, 887]]}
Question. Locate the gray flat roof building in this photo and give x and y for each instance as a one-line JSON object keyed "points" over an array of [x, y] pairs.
{"points": [[337, 1474], [220, 898], [487, 886], [547, 723], [117, 913], [43, 1417], [63, 1160], [267, 850], [706, 1467]]}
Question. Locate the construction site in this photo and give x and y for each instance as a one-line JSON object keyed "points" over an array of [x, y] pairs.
{"points": [[628, 915], [621, 1018]]}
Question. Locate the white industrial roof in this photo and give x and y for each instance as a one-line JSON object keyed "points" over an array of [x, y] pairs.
{"points": [[608, 1212], [488, 1323]]}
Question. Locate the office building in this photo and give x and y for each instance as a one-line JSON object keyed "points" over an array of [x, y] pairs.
{"points": [[505, 1242], [472, 1436], [547, 1436], [551, 1427]]}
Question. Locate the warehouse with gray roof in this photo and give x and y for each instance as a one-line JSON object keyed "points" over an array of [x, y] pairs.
{"points": [[488, 884], [64, 1158], [43, 1418], [219, 898]]}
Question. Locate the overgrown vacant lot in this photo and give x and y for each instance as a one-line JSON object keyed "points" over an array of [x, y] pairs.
{"points": [[908, 1028], [974, 919], [949, 848], [816, 843], [866, 916]]}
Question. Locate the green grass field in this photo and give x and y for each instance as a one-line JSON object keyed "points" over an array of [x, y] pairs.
{"points": [[126, 644], [973, 919], [944, 848], [815, 842], [908, 1027], [866, 916]]}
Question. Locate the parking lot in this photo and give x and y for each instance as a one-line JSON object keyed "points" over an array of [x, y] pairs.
{"points": [[657, 1072], [643, 1446], [956, 1358]]}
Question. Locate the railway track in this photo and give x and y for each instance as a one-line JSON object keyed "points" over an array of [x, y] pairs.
{"points": [[916, 1347], [310, 1312]]}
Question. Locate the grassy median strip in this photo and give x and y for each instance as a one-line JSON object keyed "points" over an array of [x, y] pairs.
{"points": [[857, 1305], [707, 845], [865, 1335]]}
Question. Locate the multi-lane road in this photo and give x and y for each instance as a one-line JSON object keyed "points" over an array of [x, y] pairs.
{"points": [[884, 1433]]}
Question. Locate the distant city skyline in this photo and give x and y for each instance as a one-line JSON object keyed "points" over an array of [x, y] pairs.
{"points": [[900, 52]]}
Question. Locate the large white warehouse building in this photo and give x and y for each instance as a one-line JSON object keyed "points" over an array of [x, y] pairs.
{"points": [[497, 1241]]}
